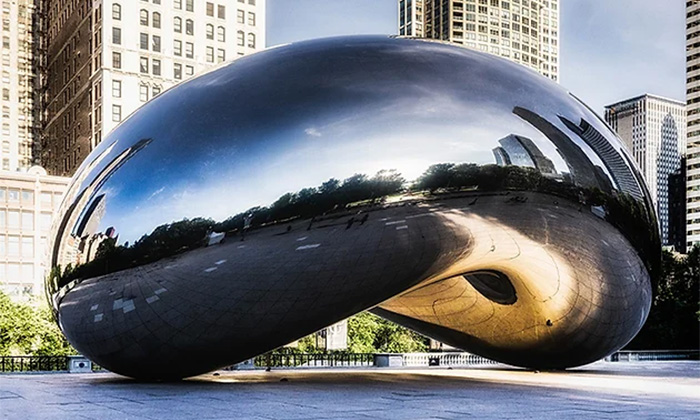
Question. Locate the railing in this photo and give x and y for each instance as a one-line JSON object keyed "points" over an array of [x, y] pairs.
{"points": [[312, 360], [653, 355], [445, 359], [33, 363]]}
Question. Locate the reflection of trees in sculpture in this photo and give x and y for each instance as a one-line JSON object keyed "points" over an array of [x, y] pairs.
{"points": [[174, 238], [621, 210], [627, 214], [311, 202]]}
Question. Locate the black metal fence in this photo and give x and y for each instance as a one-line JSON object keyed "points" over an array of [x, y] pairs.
{"points": [[653, 355], [314, 360], [33, 363]]}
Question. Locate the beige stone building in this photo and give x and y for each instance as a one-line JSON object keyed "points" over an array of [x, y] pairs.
{"points": [[524, 31], [18, 85], [27, 204], [103, 59], [693, 108]]}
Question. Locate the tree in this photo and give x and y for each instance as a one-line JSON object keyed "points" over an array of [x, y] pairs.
{"points": [[29, 330], [368, 333], [673, 319]]}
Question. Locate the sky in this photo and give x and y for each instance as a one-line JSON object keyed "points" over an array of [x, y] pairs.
{"points": [[611, 50]]}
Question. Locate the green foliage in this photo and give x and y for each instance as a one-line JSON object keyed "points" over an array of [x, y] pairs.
{"points": [[673, 320], [368, 333], [29, 330]]}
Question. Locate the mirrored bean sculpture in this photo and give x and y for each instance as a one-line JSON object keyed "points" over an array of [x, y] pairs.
{"points": [[453, 192]]}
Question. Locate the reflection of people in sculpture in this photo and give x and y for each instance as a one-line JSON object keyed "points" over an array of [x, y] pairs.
{"points": [[247, 220]]}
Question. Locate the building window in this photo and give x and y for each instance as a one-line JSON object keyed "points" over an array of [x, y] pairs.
{"points": [[189, 27], [45, 221], [240, 16], [117, 88], [143, 64], [143, 41], [177, 24], [156, 67], [116, 113], [189, 70], [241, 38], [116, 36], [143, 17], [177, 71], [116, 11], [210, 9], [116, 60], [13, 195], [221, 12], [13, 249], [156, 20], [189, 50], [177, 47], [143, 92], [156, 43], [251, 18], [27, 220], [210, 55], [13, 219], [177, 4], [251, 40], [156, 90], [210, 31], [221, 55], [189, 5], [221, 34], [27, 252]]}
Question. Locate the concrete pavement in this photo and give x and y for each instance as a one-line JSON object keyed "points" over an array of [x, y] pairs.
{"points": [[647, 390]]}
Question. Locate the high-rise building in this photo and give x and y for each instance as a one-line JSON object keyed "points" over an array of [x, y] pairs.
{"points": [[18, 85], [27, 203], [102, 59], [524, 31], [693, 104], [653, 129]]}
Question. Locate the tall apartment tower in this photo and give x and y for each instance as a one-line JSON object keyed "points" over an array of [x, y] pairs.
{"points": [[524, 31], [653, 129], [693, 104], [18, 85], [103, 59]]}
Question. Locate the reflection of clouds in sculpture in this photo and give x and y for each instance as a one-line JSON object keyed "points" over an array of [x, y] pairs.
{"points": [[351, 174]]}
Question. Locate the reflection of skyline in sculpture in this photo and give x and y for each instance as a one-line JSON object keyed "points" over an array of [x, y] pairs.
{"points": [[583, 171], [72, 244], [617, 167], [521, 151], [329, 207]]}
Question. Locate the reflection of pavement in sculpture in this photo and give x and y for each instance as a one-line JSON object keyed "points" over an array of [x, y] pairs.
{"points": [[562, 309], [518, 229], [320, 276], [258, 287]]}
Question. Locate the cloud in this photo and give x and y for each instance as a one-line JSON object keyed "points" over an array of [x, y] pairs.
{"points": [[313, 132]]}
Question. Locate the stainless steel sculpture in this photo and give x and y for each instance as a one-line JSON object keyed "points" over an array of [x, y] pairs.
{"points": [[453, 192]]}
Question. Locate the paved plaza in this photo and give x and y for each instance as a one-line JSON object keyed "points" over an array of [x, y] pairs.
{"points": [[648, 390]]}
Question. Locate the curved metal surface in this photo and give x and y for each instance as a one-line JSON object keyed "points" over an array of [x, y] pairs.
{"points": [[452, 191]]}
